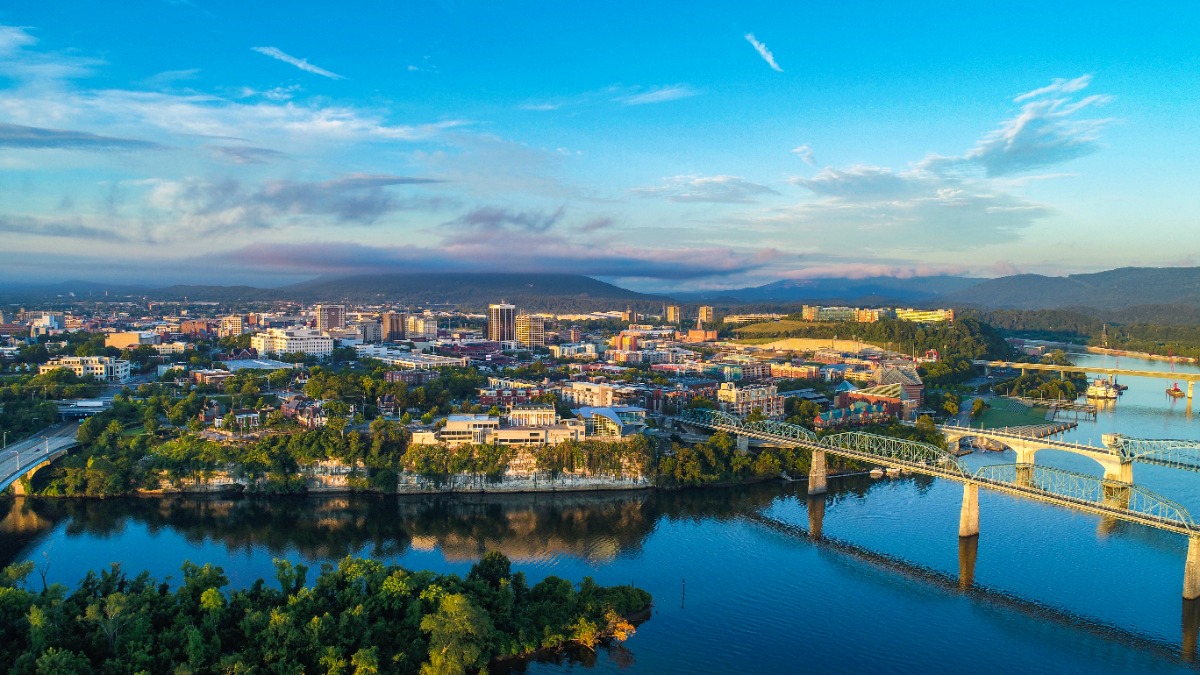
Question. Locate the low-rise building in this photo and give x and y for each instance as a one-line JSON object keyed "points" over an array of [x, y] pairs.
{"points": [[131, 339], [532, 415], [292, 341], [613, 421], [103, 368]]}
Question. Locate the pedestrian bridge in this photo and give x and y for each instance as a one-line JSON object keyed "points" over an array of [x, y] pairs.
{"points": [[1108, 497]]}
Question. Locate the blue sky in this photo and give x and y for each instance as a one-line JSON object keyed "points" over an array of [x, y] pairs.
{"points": [[658, 145]]}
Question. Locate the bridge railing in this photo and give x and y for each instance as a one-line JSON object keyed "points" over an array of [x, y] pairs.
{"points": [[1183, 454], [897, 449], [1087, 488], [716, 419]]}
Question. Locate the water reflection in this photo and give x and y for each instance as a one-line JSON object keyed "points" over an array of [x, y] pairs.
{"points": [[596, 528]]}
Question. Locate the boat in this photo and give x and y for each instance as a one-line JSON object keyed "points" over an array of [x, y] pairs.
{"points": [[1174, 391], [1102, 389], [877, 473]]}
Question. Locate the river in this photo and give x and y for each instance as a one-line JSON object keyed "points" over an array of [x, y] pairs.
{"points": [[741, 584]]}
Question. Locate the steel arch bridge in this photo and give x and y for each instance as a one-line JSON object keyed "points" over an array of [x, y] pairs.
{"points": [[905, 452], [764, 429], [1126, 499], [1106, 497], [1176, 454]]}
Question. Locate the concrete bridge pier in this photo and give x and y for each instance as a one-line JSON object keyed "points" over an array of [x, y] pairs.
{"points": [[1025, 475], [1191, 569], [816, 516], [1116, 493], [18, 485], [968, 519], [1189, 396], [968, 551], [1191, 629], [743, 443], [817, 473]]}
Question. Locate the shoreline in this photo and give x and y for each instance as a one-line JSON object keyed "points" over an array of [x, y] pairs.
{"points": [[239, 490], [1106, 351]]}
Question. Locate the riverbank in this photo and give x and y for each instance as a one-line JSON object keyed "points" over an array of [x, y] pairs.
{"points": [[1104, 351]]}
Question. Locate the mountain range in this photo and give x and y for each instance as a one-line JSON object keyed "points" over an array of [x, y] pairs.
{"points": [[1131, 289]]}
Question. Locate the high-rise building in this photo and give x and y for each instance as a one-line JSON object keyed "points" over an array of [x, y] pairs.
{"points": [[421, 327], [502, 322], [330, 317], [673, 314], [531, 330], [393, 326], [574, 334], [706, 314], [234, 324]]}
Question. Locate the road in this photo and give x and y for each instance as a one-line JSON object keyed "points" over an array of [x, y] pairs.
{"points": [[27, 452]]}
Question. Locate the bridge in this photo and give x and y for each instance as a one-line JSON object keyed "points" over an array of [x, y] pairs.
{"points": [[1190, 378], [1109, 497], [25, 458]]}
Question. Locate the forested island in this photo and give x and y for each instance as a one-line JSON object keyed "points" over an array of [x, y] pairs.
{"points": [[359, 616]]}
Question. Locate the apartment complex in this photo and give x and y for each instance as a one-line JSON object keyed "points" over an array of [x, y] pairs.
{"points": [[743, 400], [421, 327], [706, 314], [291, 341], [673, 314], [232, 325], [100, 367]]}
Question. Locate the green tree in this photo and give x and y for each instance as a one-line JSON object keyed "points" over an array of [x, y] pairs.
{"points": [[457, 633]]}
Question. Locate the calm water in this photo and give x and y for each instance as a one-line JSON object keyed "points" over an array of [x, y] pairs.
{"points": [[740, 583]]}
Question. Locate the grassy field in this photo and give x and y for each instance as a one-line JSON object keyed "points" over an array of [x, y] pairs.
{"points": [[1008, 413]]}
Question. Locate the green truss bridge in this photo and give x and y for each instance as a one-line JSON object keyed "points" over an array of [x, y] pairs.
{"points": [[1107, 497]]}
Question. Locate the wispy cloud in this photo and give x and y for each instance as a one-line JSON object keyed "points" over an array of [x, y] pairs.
{"points": [[245, 154], [659, 95], [13, 38], [716, 189], [882, 210], [1046, 131], [805, 154], [199, 208], [302, 64], [41, 227], [764, 52], [492, 219], [18, 136]]}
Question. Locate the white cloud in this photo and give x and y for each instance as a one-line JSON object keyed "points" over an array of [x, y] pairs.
{"points": [[717, 189], [1046, 131], [659, 95], [880, 210], [12, 39], [1058, 86], [764, 52], [805, 154], [302, 64]]}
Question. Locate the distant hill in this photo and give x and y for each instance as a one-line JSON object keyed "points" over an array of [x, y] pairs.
{"points": [[868, 291], [557, 292], [1115, 289], [528, 291]]}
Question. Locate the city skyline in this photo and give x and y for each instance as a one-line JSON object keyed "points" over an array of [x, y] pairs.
{"points": [[655, 148]]}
